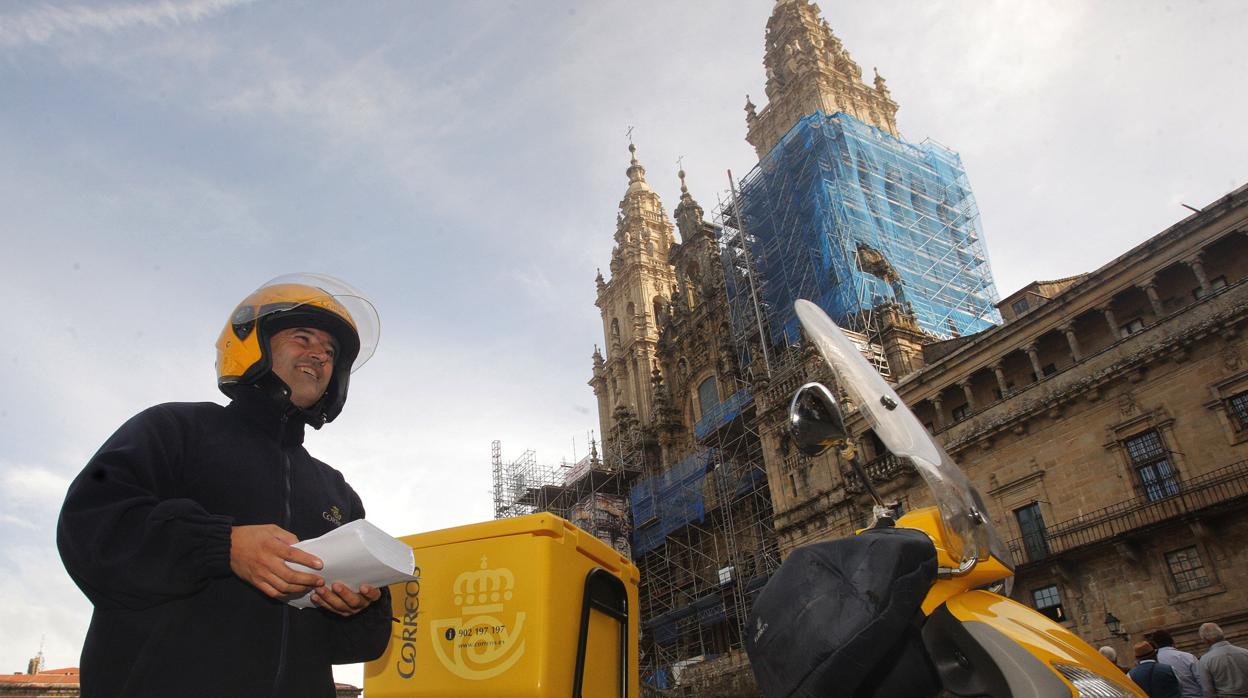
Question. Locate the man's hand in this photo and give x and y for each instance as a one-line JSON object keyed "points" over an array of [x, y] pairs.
{"points": [[258, 555], [338, 598]]}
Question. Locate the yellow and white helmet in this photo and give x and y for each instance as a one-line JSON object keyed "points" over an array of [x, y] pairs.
{"points": [[298, 300]]}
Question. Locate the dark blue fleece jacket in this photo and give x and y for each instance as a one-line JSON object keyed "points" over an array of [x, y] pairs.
{"points": [[145, 533]]}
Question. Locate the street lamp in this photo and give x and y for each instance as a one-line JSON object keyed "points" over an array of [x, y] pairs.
{"points": [[1114, 625]]}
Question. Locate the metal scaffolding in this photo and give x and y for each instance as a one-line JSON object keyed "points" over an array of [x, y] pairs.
{"points": [[849, 217], [838, 213], [705, 545], [589, 493]]}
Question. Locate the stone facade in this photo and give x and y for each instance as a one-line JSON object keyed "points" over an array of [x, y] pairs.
{"points": [[1105, 422], [632, 303], [1106, 426], [665, 392], [38, 682], [809, 70]]}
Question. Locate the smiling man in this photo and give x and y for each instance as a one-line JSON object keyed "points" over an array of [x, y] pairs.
{"points": [[303, 357], [179, 529]]}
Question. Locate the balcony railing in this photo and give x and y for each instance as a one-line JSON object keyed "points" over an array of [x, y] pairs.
{"points": [[880, 470], [1205, 492]]}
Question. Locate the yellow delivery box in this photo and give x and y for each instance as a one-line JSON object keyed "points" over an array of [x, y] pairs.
{"points": [[524, 607]]}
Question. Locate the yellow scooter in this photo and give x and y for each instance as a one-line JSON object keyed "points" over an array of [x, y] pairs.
{"points": [[911, 607]]}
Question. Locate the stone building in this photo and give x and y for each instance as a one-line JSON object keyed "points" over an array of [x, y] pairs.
{"points": [[1106, 424], [38, 682], [1105, 419], [809, 70], [674, 410]]}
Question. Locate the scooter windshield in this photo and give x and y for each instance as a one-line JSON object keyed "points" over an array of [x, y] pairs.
{"points": [[960, 504]]}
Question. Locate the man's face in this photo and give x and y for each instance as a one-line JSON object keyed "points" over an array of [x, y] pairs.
{"points": [[303, 357]]}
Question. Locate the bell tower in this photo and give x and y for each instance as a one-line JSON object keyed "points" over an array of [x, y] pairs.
{"points": [[641, 285], [808, 69]]}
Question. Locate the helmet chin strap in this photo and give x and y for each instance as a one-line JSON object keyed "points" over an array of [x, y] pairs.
{"points": [[275, 389]]}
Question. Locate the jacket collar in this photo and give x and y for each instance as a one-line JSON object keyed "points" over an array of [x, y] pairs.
{"points": [[273, 415]]}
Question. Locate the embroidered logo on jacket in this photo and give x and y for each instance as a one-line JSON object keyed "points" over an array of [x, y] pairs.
{"points": [[334, 515]]}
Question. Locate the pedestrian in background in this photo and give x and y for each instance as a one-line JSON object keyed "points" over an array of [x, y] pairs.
{"points": [[1157, 680], [1112, 655], [1184, 663], [1224, 668]]}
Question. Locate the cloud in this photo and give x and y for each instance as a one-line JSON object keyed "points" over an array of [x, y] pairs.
{"points": [[32, 485], [48, 22], [53, 613]]}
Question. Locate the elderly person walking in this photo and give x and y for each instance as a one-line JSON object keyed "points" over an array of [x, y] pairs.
{"points": [[1224, 668], [1112, 655]]}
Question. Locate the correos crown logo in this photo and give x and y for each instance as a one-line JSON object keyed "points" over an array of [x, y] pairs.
{"points": [[481, 642]]}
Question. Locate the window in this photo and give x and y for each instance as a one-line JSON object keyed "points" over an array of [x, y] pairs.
{"points": [[960, 412], [1186, 569], [1237, 408], [708, 396], [1019, 306], [1031, 525], [1132, 327], [878, 449], [1049, 602], [1048, 369], [1151, 461]]}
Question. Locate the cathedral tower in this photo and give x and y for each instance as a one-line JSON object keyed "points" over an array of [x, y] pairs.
{"points": [[808, 70], [842, 211], [631, 303]]}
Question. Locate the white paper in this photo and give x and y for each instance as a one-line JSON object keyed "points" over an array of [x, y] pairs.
{"points": [[356, 553]]}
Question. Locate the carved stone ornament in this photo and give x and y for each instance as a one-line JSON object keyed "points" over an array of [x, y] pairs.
{"points": [[1128, 404], [1231, 359]]}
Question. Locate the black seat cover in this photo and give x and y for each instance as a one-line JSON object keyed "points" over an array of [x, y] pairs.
{"points": [[833, 610]]}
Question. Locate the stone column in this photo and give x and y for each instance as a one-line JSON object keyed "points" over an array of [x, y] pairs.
{"points": [[939, 420], [1069, 331], [970, 397], [999, 369], [1113, 323], [1033, 353], [1198, 270], [1151, 290]]}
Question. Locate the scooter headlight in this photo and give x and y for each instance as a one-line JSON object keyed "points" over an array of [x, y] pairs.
{"points": [[1089, 684]]}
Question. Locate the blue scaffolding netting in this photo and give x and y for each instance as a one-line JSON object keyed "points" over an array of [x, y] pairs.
{"points": [[722, 413], [850, 217], [663, 503]]}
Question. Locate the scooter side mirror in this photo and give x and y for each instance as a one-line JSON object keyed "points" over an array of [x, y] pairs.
{"points": [[815, 420]]}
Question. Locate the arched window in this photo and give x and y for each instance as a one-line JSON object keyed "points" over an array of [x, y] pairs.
{"points": [[708, 396]]}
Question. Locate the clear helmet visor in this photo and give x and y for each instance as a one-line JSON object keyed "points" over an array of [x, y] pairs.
{"points": [[321, 291]]}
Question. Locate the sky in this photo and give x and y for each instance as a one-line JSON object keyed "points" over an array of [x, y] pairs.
{"points": [[461, 164]]}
